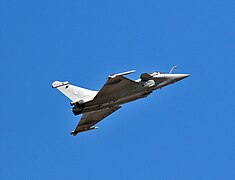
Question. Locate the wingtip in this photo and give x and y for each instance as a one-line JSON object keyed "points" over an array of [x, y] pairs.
{"points": [[74, 133], [121, 74]]}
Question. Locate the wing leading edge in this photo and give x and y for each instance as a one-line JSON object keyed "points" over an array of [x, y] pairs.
{"points": [[89, 119]]}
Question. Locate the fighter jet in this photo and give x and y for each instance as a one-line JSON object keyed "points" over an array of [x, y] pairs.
{"points": [[118, 90]]}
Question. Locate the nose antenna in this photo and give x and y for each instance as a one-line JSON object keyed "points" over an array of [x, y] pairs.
{"points": [[171, 71]]}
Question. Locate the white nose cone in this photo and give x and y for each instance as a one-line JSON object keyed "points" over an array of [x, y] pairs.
{"points": [[179, 77]]}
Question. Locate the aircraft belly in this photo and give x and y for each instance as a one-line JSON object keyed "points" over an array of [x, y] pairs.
{"points": [[116, 100]]}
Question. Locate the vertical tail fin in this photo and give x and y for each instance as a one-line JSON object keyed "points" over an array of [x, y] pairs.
{"points": [[73, 92]]}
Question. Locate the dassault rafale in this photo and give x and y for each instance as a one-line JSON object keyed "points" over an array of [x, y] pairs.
{"points": [[118, 90]]}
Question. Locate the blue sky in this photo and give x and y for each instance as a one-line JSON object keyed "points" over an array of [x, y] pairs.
{"points": [[184, 131]]}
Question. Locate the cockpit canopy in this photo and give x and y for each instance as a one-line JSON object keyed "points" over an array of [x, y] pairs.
{"points": [[156, 73]]}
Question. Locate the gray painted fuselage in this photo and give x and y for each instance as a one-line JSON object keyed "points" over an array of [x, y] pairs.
{"points": [[131, 93]]}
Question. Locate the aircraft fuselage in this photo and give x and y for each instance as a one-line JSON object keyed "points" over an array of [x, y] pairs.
{"points": [[132, 93]]}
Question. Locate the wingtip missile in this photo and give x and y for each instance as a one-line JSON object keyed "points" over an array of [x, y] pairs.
{"points": [[74, 133], [121, 74]]}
